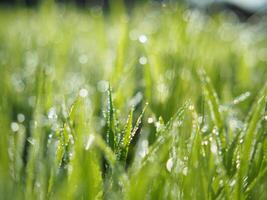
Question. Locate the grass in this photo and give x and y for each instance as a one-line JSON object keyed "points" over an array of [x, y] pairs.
{"points": [[161, 103]]}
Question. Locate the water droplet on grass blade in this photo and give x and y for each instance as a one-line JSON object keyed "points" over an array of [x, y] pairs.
{"points": [[143, 60], [31, 141], [213, 148], [52, 113], [241, 98], [14, 126], [215, 131], [20, 117], [90, 141], [83, 59], [185, 171], [205, 128], [150, 120], [191, 107], [83, 92], [232, 183], [205, 143], [143, 39], [169, 164]]}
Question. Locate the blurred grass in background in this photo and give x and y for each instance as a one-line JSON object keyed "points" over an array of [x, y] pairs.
{"points": [[65, 134]]}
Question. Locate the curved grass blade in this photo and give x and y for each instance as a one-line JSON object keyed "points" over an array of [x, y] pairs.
{"points": [[249, 138], [126, 137], [164, 133], [110, 135], [214, 106]]}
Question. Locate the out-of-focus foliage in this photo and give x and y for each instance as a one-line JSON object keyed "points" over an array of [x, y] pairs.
{"points": [[162, 103]]}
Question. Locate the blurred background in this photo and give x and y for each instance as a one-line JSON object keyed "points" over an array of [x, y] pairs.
{"points": [[54, 51], [244, 9]]}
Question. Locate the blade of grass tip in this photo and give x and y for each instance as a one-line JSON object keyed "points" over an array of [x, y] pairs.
{"points": [[138, 122], [162, 138], [135, 129], [73, 115], [110, 136], [63, 143], [249, 136], [230, 155], [177, 116], [213, 103], [217, 118], [127, 136]]}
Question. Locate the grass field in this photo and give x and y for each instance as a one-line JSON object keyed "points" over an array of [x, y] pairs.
{"points": [[161, 103]]}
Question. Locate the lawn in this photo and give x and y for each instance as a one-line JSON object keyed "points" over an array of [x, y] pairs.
{"points": [[160, 102]]}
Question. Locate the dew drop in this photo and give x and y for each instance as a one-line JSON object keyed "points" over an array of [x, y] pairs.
{"points": [[31, 141], [90, 141], [169, 164], [83, 92], [215, 131], [241, 98], [213, 148], [191, 107], [14, 126], [185, 171], [143, 60], [204, 128], [20, 117], [83, 59], [71, 155], [150, 120], [52, 113], [237, 164], [143, 39], [232, 183]]}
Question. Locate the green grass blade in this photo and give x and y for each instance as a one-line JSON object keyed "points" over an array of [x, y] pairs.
{"points": [[249, 137], [127, 136], [214, 106], [110, 135]]}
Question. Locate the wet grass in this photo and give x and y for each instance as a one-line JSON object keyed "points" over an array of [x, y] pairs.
{"points": [[162, 103]]}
